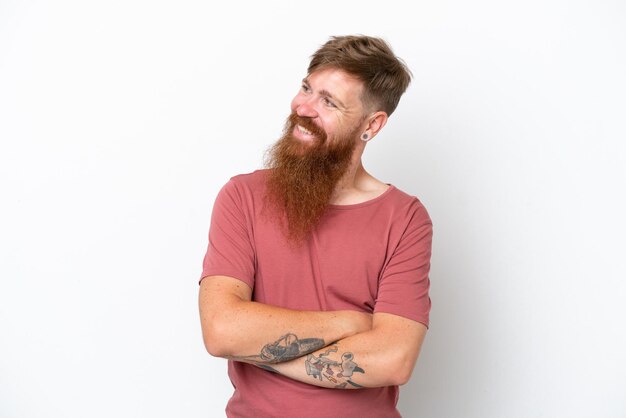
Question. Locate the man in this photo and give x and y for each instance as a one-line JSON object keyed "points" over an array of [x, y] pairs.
{"points": [[315, 280]]}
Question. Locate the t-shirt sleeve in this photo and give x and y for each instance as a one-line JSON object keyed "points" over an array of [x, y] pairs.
{"points": [[404, 283], [231, 250]]}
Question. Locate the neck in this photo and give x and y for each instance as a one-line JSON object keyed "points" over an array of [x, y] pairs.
{"points": [[357, 185], [349, 183]]}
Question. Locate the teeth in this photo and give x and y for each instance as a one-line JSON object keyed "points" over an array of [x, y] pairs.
{"points": [[304, 130]]}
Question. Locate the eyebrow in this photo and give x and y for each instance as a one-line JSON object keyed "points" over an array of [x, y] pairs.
{"points": [[325, 93]]}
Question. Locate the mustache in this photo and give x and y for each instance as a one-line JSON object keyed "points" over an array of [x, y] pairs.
{"points": [[307, 123]]}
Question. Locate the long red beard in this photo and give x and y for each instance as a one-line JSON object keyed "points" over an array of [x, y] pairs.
{"points": [[303, 175]]}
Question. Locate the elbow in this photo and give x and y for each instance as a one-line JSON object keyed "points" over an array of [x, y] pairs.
{"points": [[221, 303], [401, 367], [216, 338], [402, 376], [214, 348]]}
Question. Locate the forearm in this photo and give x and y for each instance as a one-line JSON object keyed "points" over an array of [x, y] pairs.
{"points": [[343, 365], [239, 329], [259, 333], [374, 358]]}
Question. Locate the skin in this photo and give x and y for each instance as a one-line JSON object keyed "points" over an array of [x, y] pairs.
{"points": [[384, 346]]}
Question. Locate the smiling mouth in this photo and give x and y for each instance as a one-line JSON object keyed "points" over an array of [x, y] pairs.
{"points": [[304, 130]]}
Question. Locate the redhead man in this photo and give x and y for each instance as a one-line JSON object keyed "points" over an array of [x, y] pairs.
{"points": [[315, 281]]}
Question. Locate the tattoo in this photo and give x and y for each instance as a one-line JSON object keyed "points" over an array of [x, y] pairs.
{"points": [[287, 347], [355, 384], [268, 368], [337, 372]]}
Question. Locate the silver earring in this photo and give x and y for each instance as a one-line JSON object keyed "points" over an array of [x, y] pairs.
{"points": [[365, 137]]}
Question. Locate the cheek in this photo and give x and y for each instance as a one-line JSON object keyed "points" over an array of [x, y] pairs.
{"points": [[334, 125]]}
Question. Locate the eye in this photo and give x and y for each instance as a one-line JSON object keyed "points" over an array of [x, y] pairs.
{"points": [[305, 88], [327, 102]]}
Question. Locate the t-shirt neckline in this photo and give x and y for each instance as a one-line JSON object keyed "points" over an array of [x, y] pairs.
{"points": [[367, 202]]}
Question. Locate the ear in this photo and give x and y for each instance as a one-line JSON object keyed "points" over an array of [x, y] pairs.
{"points": [[374, 123]]}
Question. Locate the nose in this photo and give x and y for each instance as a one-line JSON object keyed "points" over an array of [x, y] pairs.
{"points": [[304, 106]]}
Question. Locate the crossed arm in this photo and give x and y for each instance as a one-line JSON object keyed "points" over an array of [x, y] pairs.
{"points": [[335, 349]]}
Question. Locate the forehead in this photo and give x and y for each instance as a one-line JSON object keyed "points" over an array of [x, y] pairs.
{"points": [[337, 83]]}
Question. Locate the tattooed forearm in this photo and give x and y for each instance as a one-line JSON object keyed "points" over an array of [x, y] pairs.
{"points": [[287, 347], [338, 372], [268, 368]]}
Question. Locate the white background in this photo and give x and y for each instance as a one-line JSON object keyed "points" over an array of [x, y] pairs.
{"points": [[120, 121]]}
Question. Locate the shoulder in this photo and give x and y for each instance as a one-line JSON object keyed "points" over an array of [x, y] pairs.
{"points": [[246, 185], [408, 206], [249, 180], [243, 193]]}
